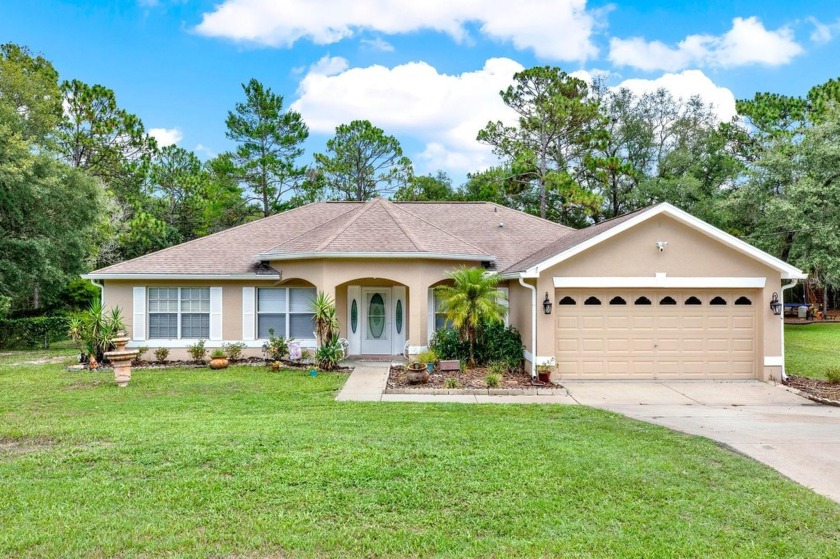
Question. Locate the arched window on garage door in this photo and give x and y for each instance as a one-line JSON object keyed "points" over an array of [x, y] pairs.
{"points": [[743, 301], [642, 301], [592, 301], [567, 301], [667, 301], [617, 300], [718, 301], [693, 301]]}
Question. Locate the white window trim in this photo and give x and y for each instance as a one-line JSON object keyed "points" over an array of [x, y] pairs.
{"points": [[288, 313], [149, 314], [662, 281]]}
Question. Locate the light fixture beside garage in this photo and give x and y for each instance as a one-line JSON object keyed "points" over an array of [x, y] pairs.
{"points": [[775, 305], [547, 304]]}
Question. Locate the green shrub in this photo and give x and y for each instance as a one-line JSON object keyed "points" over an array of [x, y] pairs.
{"points": [[497, 368], [277, 346], [141, 351], [161, 354], [94, 329], [447, 344], [428, 356], [495, 342], [832, 375], [197, 351], [451, 382], [329, 355], [493, 380], [218, 353], [26, 333], [234, 351]]}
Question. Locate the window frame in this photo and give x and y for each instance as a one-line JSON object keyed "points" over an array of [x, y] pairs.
{"points": [[287, 313], [505, 304], [178, 313]]}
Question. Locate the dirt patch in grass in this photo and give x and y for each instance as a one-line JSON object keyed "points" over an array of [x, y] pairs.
{"points": [[10, 447], [818, 388], [471, 378]]}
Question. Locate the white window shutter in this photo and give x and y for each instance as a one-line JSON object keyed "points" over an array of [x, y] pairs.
{"points": [[248, 314], [430, 327], [138, 323], [215, 313]]}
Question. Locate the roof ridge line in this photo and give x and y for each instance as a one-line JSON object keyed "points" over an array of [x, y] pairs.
{"points": [[448, 234], [366, 208], [388, 207], [302, 233], [169, 248]]}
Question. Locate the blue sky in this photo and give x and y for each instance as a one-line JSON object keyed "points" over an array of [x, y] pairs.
{"points": [[427, 71]]}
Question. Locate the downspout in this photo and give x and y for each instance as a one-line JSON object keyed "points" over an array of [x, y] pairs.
{"points": [[784, 288], [533, 326], [99, 286]]}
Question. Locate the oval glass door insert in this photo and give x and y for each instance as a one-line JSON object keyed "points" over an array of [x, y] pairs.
{"points": [[399, 316], [354, 316], [376, 316]]}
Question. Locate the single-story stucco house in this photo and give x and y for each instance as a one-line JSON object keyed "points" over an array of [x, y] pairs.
{"points": [[655, 294]]}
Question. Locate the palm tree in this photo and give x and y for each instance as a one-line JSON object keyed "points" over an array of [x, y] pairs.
{"points": [[470, 301], [326, 321]]}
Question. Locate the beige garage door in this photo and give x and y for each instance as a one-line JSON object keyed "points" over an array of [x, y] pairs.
{"points": [[656, 334]]}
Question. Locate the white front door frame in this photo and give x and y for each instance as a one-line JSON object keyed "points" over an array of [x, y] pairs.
{"points": [[393, 336]]}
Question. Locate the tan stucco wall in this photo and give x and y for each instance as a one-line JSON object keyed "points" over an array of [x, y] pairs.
{"points": [[332, 276], [689, 254]]}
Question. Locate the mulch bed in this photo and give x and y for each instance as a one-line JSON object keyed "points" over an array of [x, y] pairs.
{"points": [[251, 361], [820, 389], [471, 378]]}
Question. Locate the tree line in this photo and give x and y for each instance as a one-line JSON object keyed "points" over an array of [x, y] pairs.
{"points": [[84, 185]]}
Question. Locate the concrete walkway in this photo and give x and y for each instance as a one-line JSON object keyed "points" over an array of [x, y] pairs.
{"points": [[366, 383], [797, 437]]}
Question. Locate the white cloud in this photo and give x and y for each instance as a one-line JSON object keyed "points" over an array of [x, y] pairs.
{"points": [[553, 29], [329, 66], [824, 32], [204, 152], [378, 44], [166, 136], [747, 42], [686, 85], [445, 112]]}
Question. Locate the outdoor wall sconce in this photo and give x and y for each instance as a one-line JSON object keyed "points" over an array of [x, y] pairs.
{"points": [[775, 305], [547, 304]]}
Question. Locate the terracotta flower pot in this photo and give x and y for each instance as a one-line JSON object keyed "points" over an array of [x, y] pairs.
{"points": [[219, 363], [417, 373], [544, 377]]}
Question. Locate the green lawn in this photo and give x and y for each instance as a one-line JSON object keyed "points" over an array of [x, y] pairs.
{"points": [[249, 463], [811, 348]]}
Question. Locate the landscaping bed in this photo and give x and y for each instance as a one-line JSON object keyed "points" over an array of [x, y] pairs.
{"points": [[474, 378], [818, 389]]}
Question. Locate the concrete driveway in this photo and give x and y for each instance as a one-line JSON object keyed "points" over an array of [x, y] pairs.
{"points": [[797, 437]]}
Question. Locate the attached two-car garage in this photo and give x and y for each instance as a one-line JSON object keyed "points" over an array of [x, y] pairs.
{"points": [[657, 333]]}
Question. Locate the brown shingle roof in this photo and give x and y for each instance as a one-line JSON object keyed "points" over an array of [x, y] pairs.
{"points": [[491, 233]]}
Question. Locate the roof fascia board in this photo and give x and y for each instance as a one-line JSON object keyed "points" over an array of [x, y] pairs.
{"points": [[660, 282], [349, 255], [113, 276], [787, 271]]}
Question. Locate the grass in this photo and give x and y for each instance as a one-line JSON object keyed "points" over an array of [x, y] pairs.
{"points": [[248, 463], [810, 349]]}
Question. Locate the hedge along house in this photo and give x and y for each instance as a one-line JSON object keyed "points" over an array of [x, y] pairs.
{"points": [[656, 294]]}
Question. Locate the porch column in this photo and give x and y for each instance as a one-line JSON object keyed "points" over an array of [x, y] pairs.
{"points": [[417, 311]]}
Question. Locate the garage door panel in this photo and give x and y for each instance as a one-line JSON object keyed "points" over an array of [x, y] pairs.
{"points": [[658, 341]]}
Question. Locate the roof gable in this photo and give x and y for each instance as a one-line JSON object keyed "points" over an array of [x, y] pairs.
{"points": [[585, 239]]}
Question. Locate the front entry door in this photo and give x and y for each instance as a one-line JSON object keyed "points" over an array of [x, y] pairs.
{"points": [[376, 321]]}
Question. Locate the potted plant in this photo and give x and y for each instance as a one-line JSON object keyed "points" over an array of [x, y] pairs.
{"points": [[218, 359], [430, 358], [544, 373], [275, 366], [417, 372]]}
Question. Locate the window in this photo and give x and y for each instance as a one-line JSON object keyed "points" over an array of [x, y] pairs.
{"points": [[667, 301], [642, 301], [286, 311], [743, 301], [567, 301], [617, 301], [179, 312], [718, 301], [693, 301], [440, 316], [592, 301]]}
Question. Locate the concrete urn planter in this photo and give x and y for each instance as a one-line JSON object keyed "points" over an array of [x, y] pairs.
{"points": [[417, 373], [121, 359], [219, 363]]}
